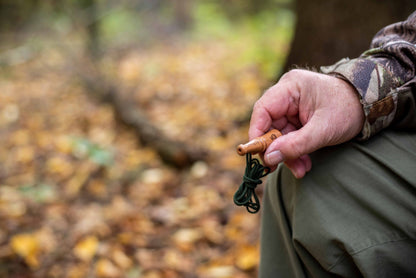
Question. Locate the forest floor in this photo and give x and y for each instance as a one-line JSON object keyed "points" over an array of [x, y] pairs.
{"points": [[80, 196]]}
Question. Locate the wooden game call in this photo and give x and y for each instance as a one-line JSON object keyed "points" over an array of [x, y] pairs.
{"points": [[259, 144]]}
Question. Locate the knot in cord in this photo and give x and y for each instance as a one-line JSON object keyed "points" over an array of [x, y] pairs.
{"points": [[246, 195], [251, 183]]}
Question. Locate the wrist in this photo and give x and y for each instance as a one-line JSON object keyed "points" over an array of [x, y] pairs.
{"points": [[356, 104]]}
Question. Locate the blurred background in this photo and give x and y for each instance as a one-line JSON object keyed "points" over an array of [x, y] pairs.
{"points": [[119, 122]]}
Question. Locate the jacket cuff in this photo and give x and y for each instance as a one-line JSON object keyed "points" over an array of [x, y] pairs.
{"points": [[376, 87]]}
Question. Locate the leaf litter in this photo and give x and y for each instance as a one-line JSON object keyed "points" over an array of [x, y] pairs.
{"points": [[81, 197]]}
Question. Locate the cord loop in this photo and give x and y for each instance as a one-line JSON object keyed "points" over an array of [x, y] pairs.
{"points": [[246, 195]]}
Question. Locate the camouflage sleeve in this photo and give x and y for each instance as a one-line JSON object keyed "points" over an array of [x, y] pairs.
{"points": [[384, 77]]}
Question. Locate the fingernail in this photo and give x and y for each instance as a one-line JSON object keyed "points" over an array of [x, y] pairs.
{"points": [[274, 158]]}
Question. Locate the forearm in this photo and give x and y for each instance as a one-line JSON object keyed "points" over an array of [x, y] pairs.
{"points": [[384, 77]]}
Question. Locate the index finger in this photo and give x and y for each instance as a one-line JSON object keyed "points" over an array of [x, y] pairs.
{"points": [[270, 109], [260, 122]]}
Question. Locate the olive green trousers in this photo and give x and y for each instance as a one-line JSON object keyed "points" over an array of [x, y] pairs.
{"points": [[352, 215]]}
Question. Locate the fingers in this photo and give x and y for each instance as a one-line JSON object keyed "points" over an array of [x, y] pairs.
{"points": [[293, 148], [279, 108], [312, 110], [296, 143], [271, 110], [299, 167], [260, 123]]}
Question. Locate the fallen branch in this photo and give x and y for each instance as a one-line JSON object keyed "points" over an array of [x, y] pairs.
{"points": [[173, 152]]}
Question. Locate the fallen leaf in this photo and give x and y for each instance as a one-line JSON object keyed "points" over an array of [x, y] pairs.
{"points": [[185, 238], [11, 202], [217, 271], [60, 166], [199, 169], [247, 257], [25, 154], [86, 248], [27, 246], [121, 259], [105, 268]]}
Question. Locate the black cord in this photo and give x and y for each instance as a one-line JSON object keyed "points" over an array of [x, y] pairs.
{"points": [[246, 194]]}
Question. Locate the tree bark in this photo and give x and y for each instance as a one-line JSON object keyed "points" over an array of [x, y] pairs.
{"points": [[92, 28], [327, 31]]}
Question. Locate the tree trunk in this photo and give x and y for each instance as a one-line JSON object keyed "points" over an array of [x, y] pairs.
{"points": [[93, 48], [182, 14], [327, 31]]}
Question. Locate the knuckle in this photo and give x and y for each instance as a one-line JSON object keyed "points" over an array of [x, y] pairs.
{"points": [[294, 149], [257, 105], [260, 104], [292, 74]]}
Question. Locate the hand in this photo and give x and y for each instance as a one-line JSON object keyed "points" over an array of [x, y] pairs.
{"points": [[312, 110]]}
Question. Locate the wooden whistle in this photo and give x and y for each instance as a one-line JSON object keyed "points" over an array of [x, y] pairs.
{"points": [[259, 144]]}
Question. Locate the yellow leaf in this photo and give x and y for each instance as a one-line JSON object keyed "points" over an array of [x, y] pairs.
{"points": [[59, 166], [121, 259], [86, 249], [79, 178], [63, 144], [247, 257], [105, 268], [25, 154], [26, 246]]}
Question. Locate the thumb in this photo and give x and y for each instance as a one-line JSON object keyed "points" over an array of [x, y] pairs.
{"points": [[295, 144]]}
